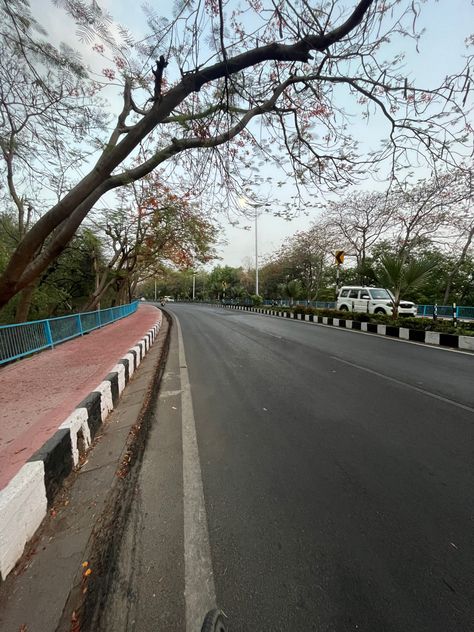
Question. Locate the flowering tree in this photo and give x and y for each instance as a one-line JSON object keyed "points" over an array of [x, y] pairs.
{"points": [[305, 257], [48, 110], [297, 68], [357, 222], [151, 228]]}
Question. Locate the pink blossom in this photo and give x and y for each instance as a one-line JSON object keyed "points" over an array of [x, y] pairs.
{"points": [[109, 73]]}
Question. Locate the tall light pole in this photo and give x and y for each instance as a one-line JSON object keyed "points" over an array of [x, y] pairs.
{"points": [[256, 251], [245, 202], [194, 286]]}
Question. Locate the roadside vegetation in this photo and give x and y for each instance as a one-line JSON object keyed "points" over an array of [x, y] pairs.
{"points": [[463, 328], [122, 154]]}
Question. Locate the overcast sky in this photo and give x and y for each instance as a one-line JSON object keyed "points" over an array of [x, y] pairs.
{"points": [[447, 23]]}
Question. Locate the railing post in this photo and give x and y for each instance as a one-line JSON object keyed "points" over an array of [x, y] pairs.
{"points": [[98, 318], [79, 325], [47, 332], [455, 315]]}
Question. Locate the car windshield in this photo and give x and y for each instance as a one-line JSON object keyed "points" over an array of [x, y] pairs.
{"points": [[380, 294]]}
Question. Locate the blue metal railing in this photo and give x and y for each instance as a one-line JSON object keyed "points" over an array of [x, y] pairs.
{"points": [[443, 311], [446, 311], [318, 304], [20, 340]]}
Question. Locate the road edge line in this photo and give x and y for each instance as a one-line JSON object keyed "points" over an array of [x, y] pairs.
{"points": [[199, 591]]}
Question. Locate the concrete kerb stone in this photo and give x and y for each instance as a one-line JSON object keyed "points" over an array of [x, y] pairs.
{"points": [[119, 371], [24, 501], [415, 335], [466, 342], [432, 337], [78, 426], [23, 505]]}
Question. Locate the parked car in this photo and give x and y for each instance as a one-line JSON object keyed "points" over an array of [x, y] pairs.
{"points": [[374, 300]]}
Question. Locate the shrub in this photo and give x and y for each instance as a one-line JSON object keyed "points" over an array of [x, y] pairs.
{"points": [[426, 324]]}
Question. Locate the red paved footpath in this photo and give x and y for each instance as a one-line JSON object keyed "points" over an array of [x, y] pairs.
{"points": [[37, 394]]}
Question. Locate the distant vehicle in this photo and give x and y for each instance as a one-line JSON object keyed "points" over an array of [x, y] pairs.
{"points": [[375, 300], [142, 298], [168, 299]]}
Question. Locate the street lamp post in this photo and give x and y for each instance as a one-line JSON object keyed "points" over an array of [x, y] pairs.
{"points": [[256, 252], [194, 286], [244, 202]]}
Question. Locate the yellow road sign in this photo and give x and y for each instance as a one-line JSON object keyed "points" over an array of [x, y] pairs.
{"points": [[339, 256]]}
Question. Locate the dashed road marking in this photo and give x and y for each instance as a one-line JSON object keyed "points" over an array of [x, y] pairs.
{"points": [[401, 383]]}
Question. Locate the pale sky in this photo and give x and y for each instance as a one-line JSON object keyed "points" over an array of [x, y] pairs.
{"points": [[447, 23]]}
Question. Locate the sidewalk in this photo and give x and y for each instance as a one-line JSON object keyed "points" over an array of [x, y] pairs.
{"points": [[38, 393], [85, 522]]}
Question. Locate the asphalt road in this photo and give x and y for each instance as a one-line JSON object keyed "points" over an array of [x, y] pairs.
{"points": [[337, 483]]}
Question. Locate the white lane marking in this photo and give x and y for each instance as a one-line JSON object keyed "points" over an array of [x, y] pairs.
{"points": [[274, 335], [199, 590], [165, 394], [411, 386]]}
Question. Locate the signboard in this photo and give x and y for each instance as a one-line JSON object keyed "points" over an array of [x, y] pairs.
{"points": [[339, 257]]}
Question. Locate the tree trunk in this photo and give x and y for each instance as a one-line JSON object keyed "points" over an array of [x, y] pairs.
{"points": [[24, 304], [122, 289], [63, 219], [396, 302], [94, 302], [134, 285]]}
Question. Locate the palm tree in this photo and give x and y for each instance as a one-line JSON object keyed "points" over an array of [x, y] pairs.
{"points": [[293, 289], [400, 275]]}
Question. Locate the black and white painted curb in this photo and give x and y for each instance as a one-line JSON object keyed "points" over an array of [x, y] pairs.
{"points": [[24, 501], [403, 333]]}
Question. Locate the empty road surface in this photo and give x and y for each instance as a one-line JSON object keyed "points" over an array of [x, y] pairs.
{"points": [[303, 478]]}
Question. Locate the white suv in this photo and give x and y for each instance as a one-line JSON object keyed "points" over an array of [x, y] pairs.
{"points": [[375, 300]]}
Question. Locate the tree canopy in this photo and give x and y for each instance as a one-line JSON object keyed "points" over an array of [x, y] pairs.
{"points": [[234, 85]]}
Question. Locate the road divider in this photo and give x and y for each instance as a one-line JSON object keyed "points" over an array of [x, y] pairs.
{"points": [[432, 338]]}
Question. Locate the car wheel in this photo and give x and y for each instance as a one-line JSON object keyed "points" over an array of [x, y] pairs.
{"points": [[344, 308], [379, 310], [214, 622]]}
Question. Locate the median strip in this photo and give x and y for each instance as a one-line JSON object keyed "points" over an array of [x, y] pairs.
{"points": [[432, 338]]}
